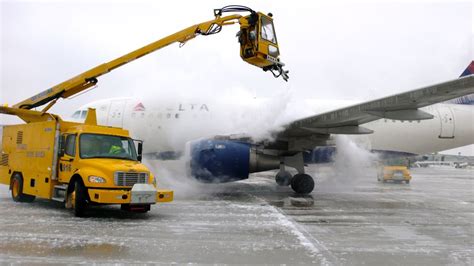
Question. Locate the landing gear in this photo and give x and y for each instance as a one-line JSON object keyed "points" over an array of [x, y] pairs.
{"points": [[302, 183], [283, 178]]}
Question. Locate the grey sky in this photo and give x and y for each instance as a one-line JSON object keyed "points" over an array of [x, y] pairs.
{"points": [[337, 50]]}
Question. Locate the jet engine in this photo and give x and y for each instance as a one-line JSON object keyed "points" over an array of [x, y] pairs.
{"points": [[218, 161]]}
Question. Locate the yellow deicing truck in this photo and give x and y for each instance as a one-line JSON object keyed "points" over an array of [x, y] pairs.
{"points": [[83, 164], [394, 170], [79, 164]]}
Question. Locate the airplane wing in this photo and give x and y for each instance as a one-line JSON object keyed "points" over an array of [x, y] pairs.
{"points": [[314, 130]]}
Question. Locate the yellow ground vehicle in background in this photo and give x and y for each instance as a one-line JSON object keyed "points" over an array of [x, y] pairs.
{"points": [[84, 163], [397, 173], [394, 170]]}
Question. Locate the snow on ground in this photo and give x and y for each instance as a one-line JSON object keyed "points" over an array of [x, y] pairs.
{"points": [[429, 221]]}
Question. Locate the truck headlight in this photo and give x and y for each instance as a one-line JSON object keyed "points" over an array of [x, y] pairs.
{"points": [[96, 179]]}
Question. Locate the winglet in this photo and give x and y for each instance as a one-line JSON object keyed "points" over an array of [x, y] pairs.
{"points": [[469, 70]]}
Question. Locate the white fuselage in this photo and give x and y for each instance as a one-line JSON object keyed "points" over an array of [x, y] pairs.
{"points": [[166, 124]]}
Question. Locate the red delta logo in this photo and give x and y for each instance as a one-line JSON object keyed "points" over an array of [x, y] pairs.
{"points": [[139, 108]]}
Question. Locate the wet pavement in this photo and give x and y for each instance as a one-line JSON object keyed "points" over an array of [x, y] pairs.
{"points": [[428, 222]]}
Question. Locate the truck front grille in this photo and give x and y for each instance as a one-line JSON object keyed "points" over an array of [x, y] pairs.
{"points": [[130, 178]]}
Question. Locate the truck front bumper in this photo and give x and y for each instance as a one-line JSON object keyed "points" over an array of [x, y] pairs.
{"points": [[140, 194], [397, 178]]}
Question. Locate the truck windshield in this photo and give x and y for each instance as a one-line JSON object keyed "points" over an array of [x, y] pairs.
{"points": [[106, 146]]}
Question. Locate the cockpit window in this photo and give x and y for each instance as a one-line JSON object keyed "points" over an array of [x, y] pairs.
{"points": [[84, 113], [76, 114]]}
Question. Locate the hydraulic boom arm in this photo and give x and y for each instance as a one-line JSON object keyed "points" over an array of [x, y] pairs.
{"points": [[256, 36]]}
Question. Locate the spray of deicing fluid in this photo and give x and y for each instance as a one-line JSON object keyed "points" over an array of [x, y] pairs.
{"points": [[193, 118], [353, 162], [175, 175], [171, 174]]}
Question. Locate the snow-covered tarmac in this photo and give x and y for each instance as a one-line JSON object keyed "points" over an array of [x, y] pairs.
{"points": [[430, 221]]}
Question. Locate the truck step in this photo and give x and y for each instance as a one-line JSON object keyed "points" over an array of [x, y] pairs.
{"points": [[59, 193], [58, 199]]}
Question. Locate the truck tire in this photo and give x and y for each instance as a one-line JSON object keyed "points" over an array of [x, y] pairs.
{"points": [[80, 199], [17, 190]]}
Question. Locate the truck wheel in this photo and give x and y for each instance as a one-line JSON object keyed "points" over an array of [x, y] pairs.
{"points": [[79, 199], [407, 181], [17, 190]]}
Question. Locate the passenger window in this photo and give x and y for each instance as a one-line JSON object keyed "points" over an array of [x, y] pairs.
{"points": [[70, 148]]}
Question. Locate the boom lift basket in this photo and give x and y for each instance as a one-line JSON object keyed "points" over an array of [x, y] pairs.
{"points": [[259, 45]]}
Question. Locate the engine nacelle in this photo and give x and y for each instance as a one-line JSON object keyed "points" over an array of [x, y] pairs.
{"points": [[219, 161]]}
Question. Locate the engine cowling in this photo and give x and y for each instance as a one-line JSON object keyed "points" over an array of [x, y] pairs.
{"points": [[219, 161]]}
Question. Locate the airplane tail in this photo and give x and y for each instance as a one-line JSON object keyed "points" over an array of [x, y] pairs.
{"points": [[468, 99], [469, 70]]}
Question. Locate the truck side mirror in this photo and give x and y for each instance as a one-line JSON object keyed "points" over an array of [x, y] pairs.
{"points": [[140, 149]]}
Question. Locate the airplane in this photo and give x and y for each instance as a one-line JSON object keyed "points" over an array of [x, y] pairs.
{"points": [[225, 141]]}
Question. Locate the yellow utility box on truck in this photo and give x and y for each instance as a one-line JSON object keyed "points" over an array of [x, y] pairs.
{"points": [[78, 164]]}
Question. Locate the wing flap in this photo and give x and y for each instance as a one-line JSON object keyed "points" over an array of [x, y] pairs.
{"points": [[347, 130], [413, 114]]}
